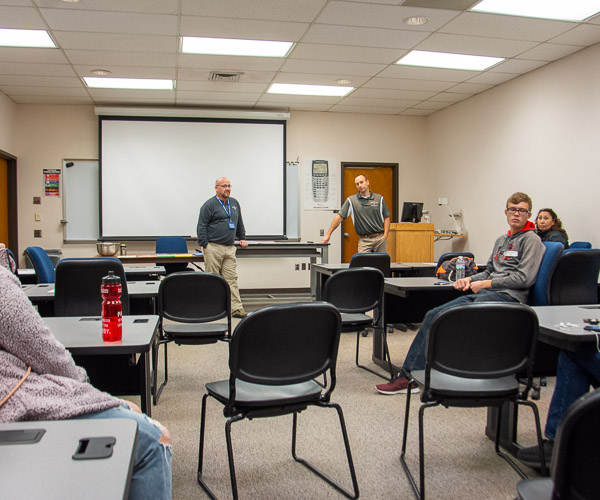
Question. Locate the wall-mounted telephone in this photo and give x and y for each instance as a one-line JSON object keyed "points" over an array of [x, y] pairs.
{"points": [[320, 180]]}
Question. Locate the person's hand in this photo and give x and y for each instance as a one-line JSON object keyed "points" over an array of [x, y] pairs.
{"points": [[243, 243], [463, 284], [325, 239], [477, 286]]}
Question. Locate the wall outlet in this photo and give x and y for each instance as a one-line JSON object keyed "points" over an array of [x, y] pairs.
{"points": [[37, 233], [38, 216], [442, 201], [304, 266], [321, 232], [297, 267], [37, 200]]}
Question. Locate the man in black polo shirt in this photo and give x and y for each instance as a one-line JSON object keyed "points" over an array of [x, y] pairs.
{"points": [[370, 216]]}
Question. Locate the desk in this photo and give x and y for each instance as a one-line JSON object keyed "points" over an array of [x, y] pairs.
{"points": [[43, 295], [27, 275], [573, 338], [446, 236], [83, 336], [46, 470]]}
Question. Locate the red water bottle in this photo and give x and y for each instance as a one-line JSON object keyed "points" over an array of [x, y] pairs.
{"points": [[112, 309]]}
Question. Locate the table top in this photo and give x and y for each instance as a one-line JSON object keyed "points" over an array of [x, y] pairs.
{"points": [[83, 335], [46, 469], [417, 283], [563, 325], [138, 289]]}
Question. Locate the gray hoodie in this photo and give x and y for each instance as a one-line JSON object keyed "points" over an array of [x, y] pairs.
{"points": [[514, 263]]}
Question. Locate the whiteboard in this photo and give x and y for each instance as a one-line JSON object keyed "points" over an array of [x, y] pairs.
{"points": [[81, 211], [157, 172]]}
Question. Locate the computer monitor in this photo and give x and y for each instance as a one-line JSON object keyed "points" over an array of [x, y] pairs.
{"points": [[411, 211]]}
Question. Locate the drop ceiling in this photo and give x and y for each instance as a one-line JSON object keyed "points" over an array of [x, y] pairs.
{"points": [[334, 40]]}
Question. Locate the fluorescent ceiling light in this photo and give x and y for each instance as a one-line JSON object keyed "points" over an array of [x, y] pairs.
{"points": [[128, 83], [562, 10], [448, 61], [320, 90], [25, 38], [232, 47]]}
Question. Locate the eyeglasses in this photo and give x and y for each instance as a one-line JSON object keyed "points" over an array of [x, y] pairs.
{"points": [[224, 185], [520, 211]]}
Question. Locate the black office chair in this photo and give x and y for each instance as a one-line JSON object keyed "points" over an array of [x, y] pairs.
{"points": [[77, 289], [44, 269], [378, 260], [172, 244], [355, 292], [77, 293], [575, 457], [473, 355], [195, 301], [575, 279], [275, 354]]}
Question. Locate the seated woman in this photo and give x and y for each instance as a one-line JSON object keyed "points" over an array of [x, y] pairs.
{"points": [[549, 227], [40, 381]]}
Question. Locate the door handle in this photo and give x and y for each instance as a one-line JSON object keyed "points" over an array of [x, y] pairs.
{"points": [[346, 235]]}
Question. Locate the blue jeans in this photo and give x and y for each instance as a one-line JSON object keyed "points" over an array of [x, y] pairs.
{"points": [[575, 372], [415, 358], [152, 468]]}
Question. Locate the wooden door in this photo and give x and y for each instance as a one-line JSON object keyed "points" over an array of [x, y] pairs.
{"points": [[4, 202], [383, 180]]}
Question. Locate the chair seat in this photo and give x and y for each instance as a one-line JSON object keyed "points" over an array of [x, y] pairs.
{"points": [[257, 395], [196, 333], [353, 320], [446, 385], [539, 488]]}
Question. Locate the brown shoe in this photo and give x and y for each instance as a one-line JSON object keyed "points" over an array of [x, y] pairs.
{"points": [[240, 313]]}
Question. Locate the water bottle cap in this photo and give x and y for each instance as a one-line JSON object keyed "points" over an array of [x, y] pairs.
{"points": [[111, 279]]}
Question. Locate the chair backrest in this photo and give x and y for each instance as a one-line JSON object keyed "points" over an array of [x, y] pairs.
{"points": [[581, 245], [482, 340], [194, 298], [44, 269], [172, 244], [285, 344], [539, 294], [576, 454], [575, 279], [355, 290], [77, 289], [378, 260], [450, 255]]}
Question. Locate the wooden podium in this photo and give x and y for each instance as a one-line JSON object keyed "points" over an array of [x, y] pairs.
{"points": [[411, 242]]}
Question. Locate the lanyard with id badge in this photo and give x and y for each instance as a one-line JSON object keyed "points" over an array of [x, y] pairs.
{"points": [[230, 224]]}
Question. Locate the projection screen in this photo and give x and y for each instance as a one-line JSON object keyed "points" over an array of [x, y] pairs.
{"points": [[155, 174]]}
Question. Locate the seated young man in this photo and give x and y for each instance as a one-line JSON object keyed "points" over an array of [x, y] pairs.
{"points": [[511, 270]]}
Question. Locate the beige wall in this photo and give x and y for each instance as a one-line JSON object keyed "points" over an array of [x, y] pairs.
{"points": [[537, 133]]}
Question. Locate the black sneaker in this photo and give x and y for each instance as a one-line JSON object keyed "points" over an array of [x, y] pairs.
{"points": [[531, 456]]}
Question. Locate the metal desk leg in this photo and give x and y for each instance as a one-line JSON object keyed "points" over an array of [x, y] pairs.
{"points": [[145, 382]]}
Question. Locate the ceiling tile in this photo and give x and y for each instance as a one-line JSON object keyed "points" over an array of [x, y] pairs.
{"points": [[417, 112], [583, 35], [117, 42], [204, 74], [230, 63], [218, 96], [27, 55], [330, 67], [470, 88], [344, 53], [363, 37], [406, 84], [475, 45], [138, 6], [128, 71], [281, 10], [38, 99], [19, 17], [342, 108], [518, 66], [49, 91], [492, 78], [549, 52], [208, 86], [11, 68], [318, 79], [435, 105], [101, 58], [372, 102], [392, 94], [40, 81], [421, 73], [449, 97]]}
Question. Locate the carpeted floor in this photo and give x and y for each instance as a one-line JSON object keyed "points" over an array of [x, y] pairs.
{"points": [[460, 459]]}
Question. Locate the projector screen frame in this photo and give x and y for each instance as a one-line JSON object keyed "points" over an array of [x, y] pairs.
{"points": [[184, 119]]}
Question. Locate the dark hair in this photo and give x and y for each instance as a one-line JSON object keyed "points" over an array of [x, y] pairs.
{"points": [[557, 226]]}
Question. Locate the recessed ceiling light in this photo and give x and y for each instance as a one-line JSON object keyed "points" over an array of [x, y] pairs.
{"points": [[318, 90], [571, 10], [343, 81], [233, 47], [100, 72], [448, 61], [415, 20], [128, 83], [25, 38]]}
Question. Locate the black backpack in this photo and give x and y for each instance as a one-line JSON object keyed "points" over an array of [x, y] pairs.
{"points": [[448, 267]]}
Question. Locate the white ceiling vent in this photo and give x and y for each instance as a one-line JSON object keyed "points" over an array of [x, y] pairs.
{"points": [[225, 76]]}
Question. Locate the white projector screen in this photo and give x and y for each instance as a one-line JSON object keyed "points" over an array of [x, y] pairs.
{"points": [[157, 172]]}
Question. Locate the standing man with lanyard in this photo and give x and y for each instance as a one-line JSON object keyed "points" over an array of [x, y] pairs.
{"points": [[219, 223], [370, 216]]}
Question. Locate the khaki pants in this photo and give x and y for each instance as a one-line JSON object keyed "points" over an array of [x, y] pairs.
{"points": [[220, 259], [368, 245]]}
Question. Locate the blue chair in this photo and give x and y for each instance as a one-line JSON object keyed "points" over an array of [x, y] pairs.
{"points": [[581, 245], [172, 244], [539, 295], [44, 269]]}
